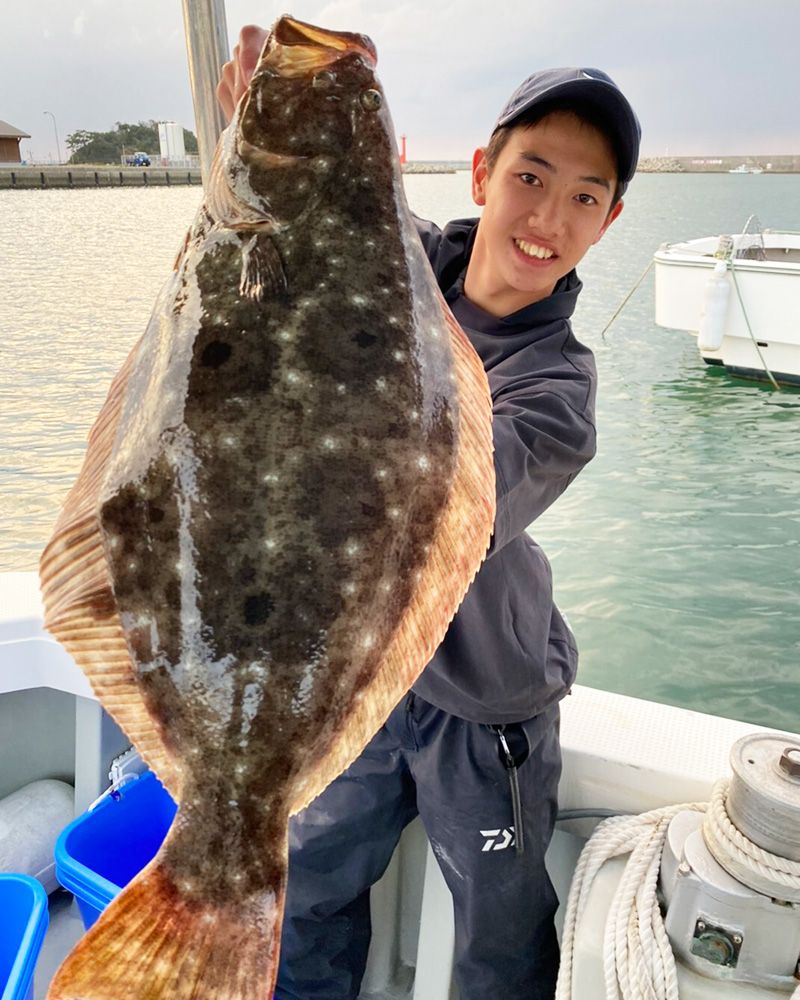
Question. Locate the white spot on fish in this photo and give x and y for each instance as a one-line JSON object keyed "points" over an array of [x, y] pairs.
{"points": [[387, 587], [271, 478], [398, 355], [380, 474], [230, 440], [368, 641], [251, 700], [233, 804], [341, 389], [393, 321], [329, 443], [240, 769], [322, 286], [359, 300], [132, 564], [293, 377], [113, 542], [349, 588], [394, 512], [423, 463], [286, 335], [269, 543], [351, 549], [380, 384]]}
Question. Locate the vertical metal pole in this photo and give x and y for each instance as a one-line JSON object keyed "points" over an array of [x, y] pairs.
{"points": [[207, 49]]}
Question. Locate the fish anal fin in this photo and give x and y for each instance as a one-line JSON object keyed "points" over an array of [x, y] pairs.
{"points": [[458, 548], [151, 942]]}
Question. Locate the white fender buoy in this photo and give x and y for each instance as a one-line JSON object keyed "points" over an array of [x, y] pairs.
{"points": [[715, 308]]}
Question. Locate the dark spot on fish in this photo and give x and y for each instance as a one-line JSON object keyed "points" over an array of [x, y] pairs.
{"points": [[368, 510], [364, 339], [257, 608], [172, 594], [156, 514], [215, 354], [246, 574]]}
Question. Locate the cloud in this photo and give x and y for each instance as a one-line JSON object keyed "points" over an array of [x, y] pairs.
{"points": [[708, 76]]}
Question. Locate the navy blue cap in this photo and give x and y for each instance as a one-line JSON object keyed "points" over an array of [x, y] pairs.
{"points": [[593, 86]]}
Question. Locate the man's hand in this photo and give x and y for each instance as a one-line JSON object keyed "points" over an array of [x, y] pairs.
{"points": [[236, 73]]}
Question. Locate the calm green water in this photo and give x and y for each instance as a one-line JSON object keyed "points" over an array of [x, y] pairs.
{"points": [[675, 553]]}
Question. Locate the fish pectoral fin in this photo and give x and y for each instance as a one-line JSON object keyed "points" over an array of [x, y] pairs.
{"points": [[262, 269], [154, 942]]}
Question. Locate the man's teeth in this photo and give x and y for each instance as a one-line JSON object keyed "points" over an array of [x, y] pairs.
{"points": [[532, 250]]}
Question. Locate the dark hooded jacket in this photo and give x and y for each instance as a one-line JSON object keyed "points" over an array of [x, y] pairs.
{"points": [[508, 653]]}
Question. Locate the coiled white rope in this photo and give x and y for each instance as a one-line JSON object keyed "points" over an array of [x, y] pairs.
{"points": [[746, 861], [638, 962]]}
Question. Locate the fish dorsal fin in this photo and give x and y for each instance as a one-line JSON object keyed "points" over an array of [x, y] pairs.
{"points": [[80, 610], [457, 550]]}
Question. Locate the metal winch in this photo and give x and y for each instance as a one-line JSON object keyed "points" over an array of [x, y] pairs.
{"points": [[728, 914]]}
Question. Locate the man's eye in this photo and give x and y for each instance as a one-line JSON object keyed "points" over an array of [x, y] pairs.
{"points": [[587, 199], [529, 178]]}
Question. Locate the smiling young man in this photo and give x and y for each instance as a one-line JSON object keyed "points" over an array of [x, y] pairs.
{"points": [[473, 748]]}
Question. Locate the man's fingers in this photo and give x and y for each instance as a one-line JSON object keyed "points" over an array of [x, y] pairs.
{"points": [[237, 72]]}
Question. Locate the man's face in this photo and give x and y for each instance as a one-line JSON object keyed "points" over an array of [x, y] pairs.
{"points": [[545, 202]]}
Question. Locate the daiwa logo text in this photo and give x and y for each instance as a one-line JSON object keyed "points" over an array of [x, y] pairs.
{"points": [[498, 840]]}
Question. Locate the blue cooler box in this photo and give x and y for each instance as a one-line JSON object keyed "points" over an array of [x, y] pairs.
{"points": [[23, 922], [101, 851]]}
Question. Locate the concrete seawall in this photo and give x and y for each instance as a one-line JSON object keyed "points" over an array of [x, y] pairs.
{"points": [[23, 178], [105, 176]]}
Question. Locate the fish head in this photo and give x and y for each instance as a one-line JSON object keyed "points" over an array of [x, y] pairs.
{"points": [[314, 105]]}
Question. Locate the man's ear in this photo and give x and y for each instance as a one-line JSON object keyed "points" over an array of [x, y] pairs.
{"points": [[480, 171], [613, 214]]}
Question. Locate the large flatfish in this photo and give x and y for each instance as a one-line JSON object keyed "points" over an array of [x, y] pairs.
{"points": [[284, 499]]}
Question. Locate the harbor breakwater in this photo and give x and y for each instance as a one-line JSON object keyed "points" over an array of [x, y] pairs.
{"points": [[31, 177], [26, 178], [783, 164]]}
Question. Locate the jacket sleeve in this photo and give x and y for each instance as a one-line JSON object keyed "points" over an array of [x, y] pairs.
{"points": [[544, 434]]}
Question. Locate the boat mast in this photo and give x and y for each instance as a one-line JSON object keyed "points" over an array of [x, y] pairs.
{"points": [[207, 49]]}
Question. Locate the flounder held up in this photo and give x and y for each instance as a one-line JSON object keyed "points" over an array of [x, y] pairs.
{"points": [[284, 499]]}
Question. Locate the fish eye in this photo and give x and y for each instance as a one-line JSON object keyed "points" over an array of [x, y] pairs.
{"points": [[372, 99], [323, 79]]}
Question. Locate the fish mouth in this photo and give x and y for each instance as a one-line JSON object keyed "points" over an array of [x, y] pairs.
{"points": [[295, 48]]}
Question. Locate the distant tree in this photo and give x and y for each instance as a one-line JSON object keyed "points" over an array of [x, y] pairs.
{"points": [[123, 140]]}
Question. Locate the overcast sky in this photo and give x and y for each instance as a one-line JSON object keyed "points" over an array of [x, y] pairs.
{"points": [[705, 76]]}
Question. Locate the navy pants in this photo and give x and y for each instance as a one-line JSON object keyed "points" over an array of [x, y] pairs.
{"points": [[450, 772]]}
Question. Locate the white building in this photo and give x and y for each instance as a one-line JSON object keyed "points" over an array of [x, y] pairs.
{"points": [[170, 138]]}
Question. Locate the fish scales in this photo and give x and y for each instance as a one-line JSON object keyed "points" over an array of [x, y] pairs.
{"points": [[284, 500]]}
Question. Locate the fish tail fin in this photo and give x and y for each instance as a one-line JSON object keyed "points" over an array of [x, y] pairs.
{"points": [[153, 943]]}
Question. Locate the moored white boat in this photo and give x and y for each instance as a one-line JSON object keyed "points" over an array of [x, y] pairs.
{"points": [[746, 313]]}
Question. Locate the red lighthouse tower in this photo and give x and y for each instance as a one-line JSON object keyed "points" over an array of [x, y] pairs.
{"points": [[403, 149]]}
